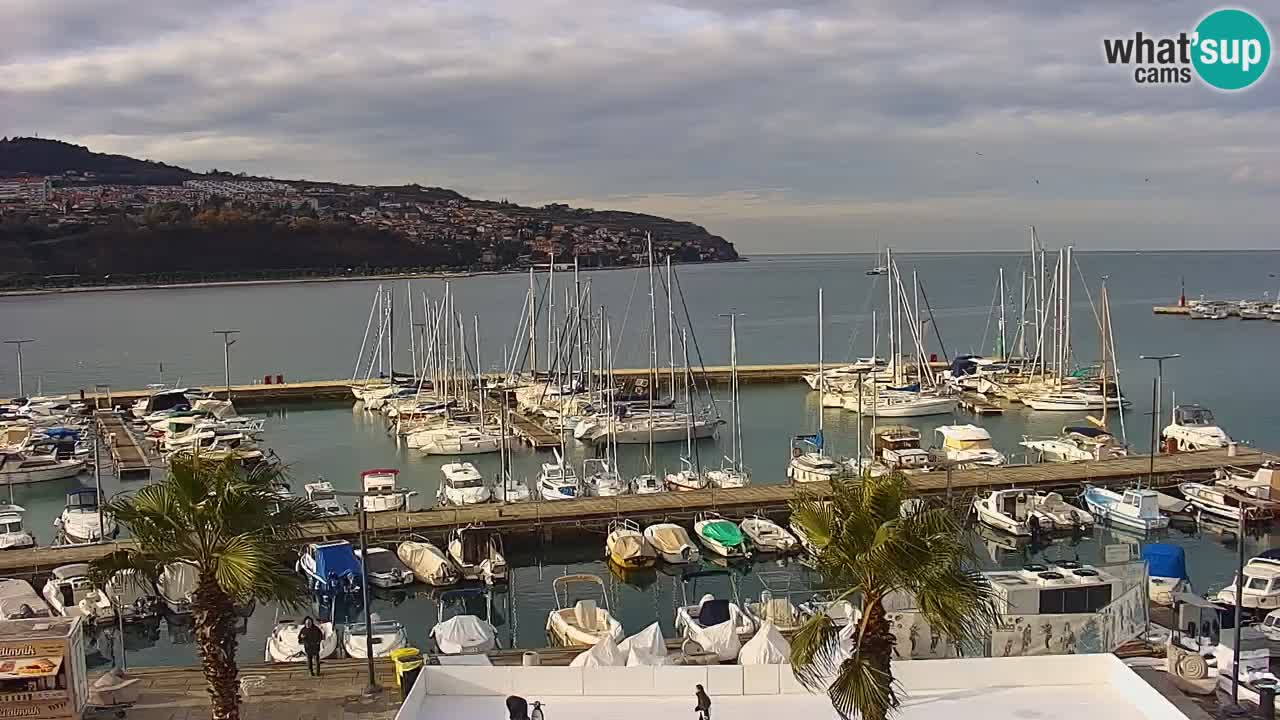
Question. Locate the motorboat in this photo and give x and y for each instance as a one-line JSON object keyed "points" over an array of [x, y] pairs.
{"points": [[1261, 585], [1074, 401], [459, 440], [558, 480], [386, 636], [1259, 484], [672, 543], [13, 535], [601, 480], [728, 477], [19, 601], [83, 521], [968, 446], [1053, 510], [1166, 572], [162, 399], [322, 495], [176, 587], [1010, 510], [1208, 311], [775, 605], [835, 375], [1224, 502], [381, 493], [1194, 428], [463, 634], [70, 593], [720, 536], [641, 427], [647, 484], [897, 447], [767, 536], [813, 466], [19, 468], [580, 622], [384, 569], [891, 404], [627, 547], [686, 478], [462, 485], [1253, 310], [283, 646], [428, 563], [1079, 443], [331, 567], [477, 553], [716, 625], [1134, 508]]}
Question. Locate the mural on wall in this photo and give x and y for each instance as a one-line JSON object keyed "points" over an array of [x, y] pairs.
{"points": [[915, 639], [1125, 618], [1024, 635]]}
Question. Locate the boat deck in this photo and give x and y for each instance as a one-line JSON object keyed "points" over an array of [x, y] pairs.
{"points": [[594, 514], [127, 453]]}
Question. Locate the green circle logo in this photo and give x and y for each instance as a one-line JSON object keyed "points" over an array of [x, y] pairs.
{"points": [[1232, 49]]}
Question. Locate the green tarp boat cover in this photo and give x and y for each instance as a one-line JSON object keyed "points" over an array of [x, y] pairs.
{"points": [[723, 532]]}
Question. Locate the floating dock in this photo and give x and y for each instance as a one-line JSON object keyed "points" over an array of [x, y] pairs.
{"points": [[979, 405], [127, 453], [1171, 310], [531, 432], [545, 518]]}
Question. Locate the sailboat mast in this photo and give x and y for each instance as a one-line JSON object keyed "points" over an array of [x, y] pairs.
{"points": [[475, 321], [688, 395], [1004, 350], [1022, 321], [551, 313], [653, 348], [1102, 342], [533, 327], [822, 378], [671, 331], [737, 416]]}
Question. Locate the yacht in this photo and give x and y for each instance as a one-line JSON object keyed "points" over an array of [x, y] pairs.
{"points": [[895, 403], [584, 622], [809, 463], [1074, 401], [1208, 311], [83, 521], [477, 553], [969, 446], [1080, 443], [727, 477], [1261, 584], [462, 485], [558, 480], [1225, 502], [1194, 428], [514, 490], [1260, 484], [1025, 512], [458, 440], [321, 495], [382, 495], [601, 480], [13, 536], [19, 468], [897, 447], [1253, 310], [1133, 509], [672, 543], [636, 429]]}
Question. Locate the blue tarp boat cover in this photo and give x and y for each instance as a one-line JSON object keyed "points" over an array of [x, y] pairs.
{"points": [[338, 560], [62, 433], [1164, 560], [964, 365]]}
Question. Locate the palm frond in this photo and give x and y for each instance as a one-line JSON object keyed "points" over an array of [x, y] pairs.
{"points": [[859, 687], [815, 651]]}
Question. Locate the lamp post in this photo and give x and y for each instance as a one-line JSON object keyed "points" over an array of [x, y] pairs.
{"points": [[1157, 390], [227, 342], [1235, 651], [18, 343]]}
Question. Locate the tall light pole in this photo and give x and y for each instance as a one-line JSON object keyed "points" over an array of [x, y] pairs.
{"points": [[18, 343], [1157, 390], [227, 342]]}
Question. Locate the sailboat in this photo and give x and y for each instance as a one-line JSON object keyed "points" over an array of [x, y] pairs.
{"points": [[735, 474], [558, 480], [809, 461]]}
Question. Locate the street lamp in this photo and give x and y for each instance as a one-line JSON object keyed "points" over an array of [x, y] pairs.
{"points": [[18, 343], [227, 342], [1157, 390]]}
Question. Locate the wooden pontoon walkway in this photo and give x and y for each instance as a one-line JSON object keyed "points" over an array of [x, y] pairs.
{"points": [[596, 513], [532, 432], [126, 452]]}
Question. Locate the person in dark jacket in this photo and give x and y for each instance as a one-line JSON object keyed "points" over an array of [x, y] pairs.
{"points": [[310, 638], [704, 704]]}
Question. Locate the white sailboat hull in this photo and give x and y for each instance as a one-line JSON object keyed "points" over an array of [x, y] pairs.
{"points": [[61, 470]]}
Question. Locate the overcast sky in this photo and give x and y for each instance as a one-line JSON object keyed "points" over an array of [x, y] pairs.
{"points": [[806, 126]]}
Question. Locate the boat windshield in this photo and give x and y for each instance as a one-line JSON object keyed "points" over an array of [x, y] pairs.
{"points": [[1195, 416], [466, 480], [981, 444], [10, 525], [383, 562]]}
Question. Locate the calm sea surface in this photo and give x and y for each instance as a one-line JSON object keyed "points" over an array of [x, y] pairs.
{"points": [[313, 331]]}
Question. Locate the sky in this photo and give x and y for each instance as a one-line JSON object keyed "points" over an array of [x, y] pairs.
{"points": [[810, 126]]}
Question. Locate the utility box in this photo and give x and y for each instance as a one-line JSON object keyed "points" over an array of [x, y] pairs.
{"points": [[42, 669]]}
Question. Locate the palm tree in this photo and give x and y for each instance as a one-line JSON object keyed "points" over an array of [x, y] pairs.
{"points": [[229, 524], [873, 539]]}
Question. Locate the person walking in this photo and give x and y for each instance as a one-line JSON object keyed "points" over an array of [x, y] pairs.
{"points": [[704, 704], [310, 638]]}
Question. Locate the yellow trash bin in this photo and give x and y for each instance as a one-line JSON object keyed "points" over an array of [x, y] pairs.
{"points": [[408, 663]]}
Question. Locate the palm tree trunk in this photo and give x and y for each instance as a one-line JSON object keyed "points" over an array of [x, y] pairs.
{"points": [[213, 613], [878, 645]]}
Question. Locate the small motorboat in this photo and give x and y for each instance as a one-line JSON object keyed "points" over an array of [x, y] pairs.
{"points": [[428, 563], [686, 478], [462, 485], [627, 547], [1224, 502], [1261, 583], [83, 521], [381, 493], [1009, 510], [386, 636], [968, 446], [70, 594], [716, 625], [1134, 509], [321, 495], [1166, 572], [384, 569], [331, 568], [768, 536], [176, 586], [672, 543], [477, 553], [1054, 511], [17, 468], [558, 481], [13, 536], [463, 634], [601, 480], [19, 601], [582, 622], [1194, 428], [283, 646], [721, 537]]}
